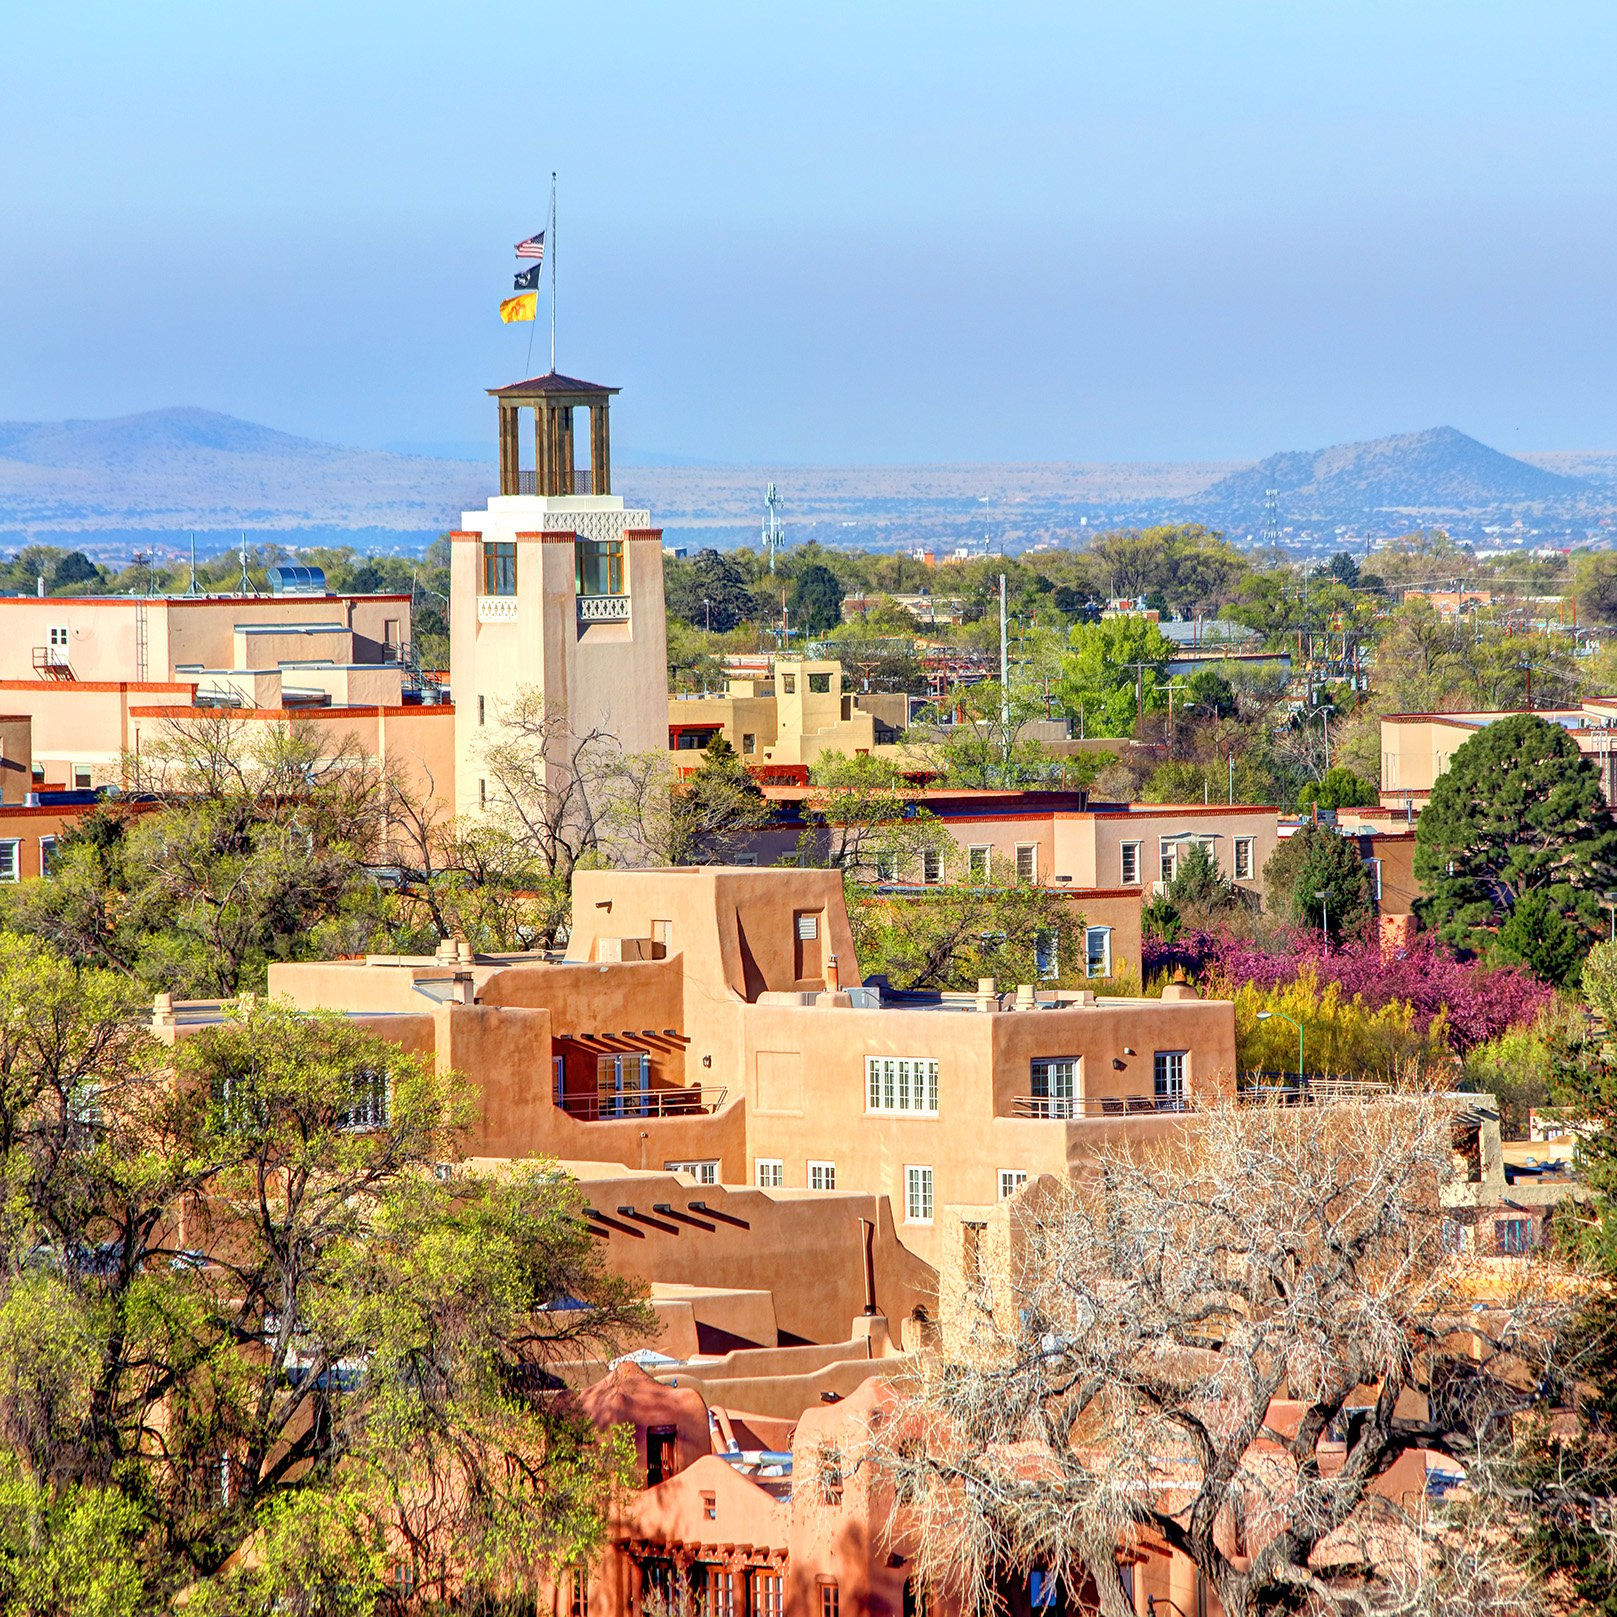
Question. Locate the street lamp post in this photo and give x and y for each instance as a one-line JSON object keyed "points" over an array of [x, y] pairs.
{"points": [[1264, 1016], [1608, 901], [1324, 902]]}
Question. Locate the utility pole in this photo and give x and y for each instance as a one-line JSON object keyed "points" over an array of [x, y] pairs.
{"points": [[1139, 696], [1004, 691]]}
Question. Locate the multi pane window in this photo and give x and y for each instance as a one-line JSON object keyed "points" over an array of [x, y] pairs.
{"points": [[828, 1600], [1170, 860], [47, 855], [771, 1173], [598, 566], [1131, 864], [704, 1173], [578, 1591], [977, 862], [1098, 951], [931, 866], [822, 1176], [901, 1084], [721, 1592], [1168, 1075], [368, 1105], [887, 867], [1513, 1235], [1054, 1081], [1011, 1180], [500, 568], [766, 1594], [10, 859], [918, 1195], [1027, 861], [1243, 858]]}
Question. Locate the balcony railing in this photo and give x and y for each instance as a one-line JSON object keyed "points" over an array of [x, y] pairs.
{"points": [[611, 1107], [603, 609], [583, 481], [1068, 1107]]}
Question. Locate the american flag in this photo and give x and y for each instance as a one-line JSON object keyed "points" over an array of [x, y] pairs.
{"points": [[533, 247]]}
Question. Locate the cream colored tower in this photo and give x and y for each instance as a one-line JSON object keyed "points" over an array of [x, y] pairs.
{"points": [[556, 590]]}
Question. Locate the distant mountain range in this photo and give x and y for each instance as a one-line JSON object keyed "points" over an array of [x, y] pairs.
{"points": [[150, 479]]}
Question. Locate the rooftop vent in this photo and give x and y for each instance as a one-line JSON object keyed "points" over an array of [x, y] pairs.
{"points": [[287, 579]]}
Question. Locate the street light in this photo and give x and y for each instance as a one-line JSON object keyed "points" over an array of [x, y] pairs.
{"points": [[1264, 1016], [1608, 901], [1323, 900]]}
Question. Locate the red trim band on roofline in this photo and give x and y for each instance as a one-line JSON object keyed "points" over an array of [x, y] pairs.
{"points": [[15, 601], [102, 685], [364, 712]]}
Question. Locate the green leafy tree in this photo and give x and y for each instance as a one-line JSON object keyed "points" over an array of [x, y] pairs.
{"points": [[816, 600], [708, 592], [1519, 810], [1200, 892], [1340, 788], [865, 822], [1097, 676], [1315, 860]]}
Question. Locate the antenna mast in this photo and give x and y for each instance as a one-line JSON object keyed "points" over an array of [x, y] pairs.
{"points": [[1271, 518], [774, 536]]}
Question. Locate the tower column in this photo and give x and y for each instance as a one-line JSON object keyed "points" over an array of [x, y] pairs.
{"points": [[600, 452], [509, 459]]}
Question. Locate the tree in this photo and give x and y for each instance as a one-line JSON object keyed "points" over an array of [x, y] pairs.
{"points": [[1200, 892], [653, 816], [974, 737], [816, 600], [1340, 788], [1540, 934], [865, 823], [709, 592], [1164, 1346], [73, 568], [1311, 861], [256, 1245], [1518, 810], [1098, 679]]}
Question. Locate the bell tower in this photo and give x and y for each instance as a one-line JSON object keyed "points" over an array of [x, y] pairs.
{"points": [[553, 400], [557, 590]]}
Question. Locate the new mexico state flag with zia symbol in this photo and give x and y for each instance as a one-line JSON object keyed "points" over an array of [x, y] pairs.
{"points": [[524, 306]]}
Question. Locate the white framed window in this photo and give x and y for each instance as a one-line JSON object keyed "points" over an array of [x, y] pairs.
{"points": [[81, 777], [1168, 1079], [1011, 1180], [1243, 858], [1054, 1082], [10, 859], [901, 1084], [822, 1176], [704, 1173], [977, 860], [931, 866], [47, 855], [1372, 868], [1170, 859], [918, 1195], [1131, 864], [1097, 951], [1027, 861], [770, 1173], [1047, 953], [887, 867]]}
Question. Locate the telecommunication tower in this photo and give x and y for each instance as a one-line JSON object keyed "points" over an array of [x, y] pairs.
{"points": [[1271, 517], [774, 536]]}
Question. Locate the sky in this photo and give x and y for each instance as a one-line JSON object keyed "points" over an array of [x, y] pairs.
{"points": [[835, 233]]}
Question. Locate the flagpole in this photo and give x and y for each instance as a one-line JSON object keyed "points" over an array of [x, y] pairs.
{"points": [[552, 272]]}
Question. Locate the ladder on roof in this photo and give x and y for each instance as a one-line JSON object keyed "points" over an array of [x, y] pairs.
{"points": [[140, 639]]}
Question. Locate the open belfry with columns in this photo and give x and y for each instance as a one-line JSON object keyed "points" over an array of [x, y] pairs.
{"points": [[556, 586]]}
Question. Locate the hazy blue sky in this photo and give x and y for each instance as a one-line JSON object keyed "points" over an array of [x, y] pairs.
{"points": [[876, 232]]}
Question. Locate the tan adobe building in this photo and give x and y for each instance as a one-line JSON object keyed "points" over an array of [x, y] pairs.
{"points": [[556, 586], [804, 710], [1416, 747], [712, 1020]]}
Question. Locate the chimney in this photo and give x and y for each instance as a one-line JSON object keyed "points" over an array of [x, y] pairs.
{"points": [[162, 1010], [987, 998], [833, 974], [1024, 996], [447, 953], [464, 989]]}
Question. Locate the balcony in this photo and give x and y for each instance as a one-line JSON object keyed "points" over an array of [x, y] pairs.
{"points": [[603, 609], [583, 482], [50, 662], [611, 1106], [496, 609], [1069, 1108]]}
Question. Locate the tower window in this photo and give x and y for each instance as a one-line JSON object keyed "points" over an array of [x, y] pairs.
{"points": [[598, 566], [500, 568]]}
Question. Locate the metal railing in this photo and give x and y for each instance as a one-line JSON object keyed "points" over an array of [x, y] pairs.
{"points": [[583, 481], [1065, 1108], [603, 609], [613, 1107]]}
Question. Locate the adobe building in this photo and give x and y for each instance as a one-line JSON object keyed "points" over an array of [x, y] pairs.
{"points": [[713, 1021], [556, 586]]}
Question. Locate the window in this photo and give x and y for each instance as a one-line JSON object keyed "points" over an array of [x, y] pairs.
{"points": [[721, 1590], [1512, 1235], [788, 684], [749, 742], [931, 866], [828, 1600], [1011, 1180], [482, 706], [598, 566], [806, 944], [918, 1195], [710, 1506], [822, 1176], [10, 859], [662, 1454], [901, 1084], [578, 1591], [56, 657], [368, 1102], [500, 568], [81, 777], [1027, 861], [47, 855], [830, 1473], [977, 857], [1372, 869], [1243, 858], [1042, 1590], [1131, 864], [746, 859], [766, 1593], [1168, 1074], [770, 1172], [1046, 953], [482, 793], [1054, 1080], [558, 1075], [819, 684], [704, 1173], [623, 1084], [1097, 951], [887, 867], [1170, 859]]}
